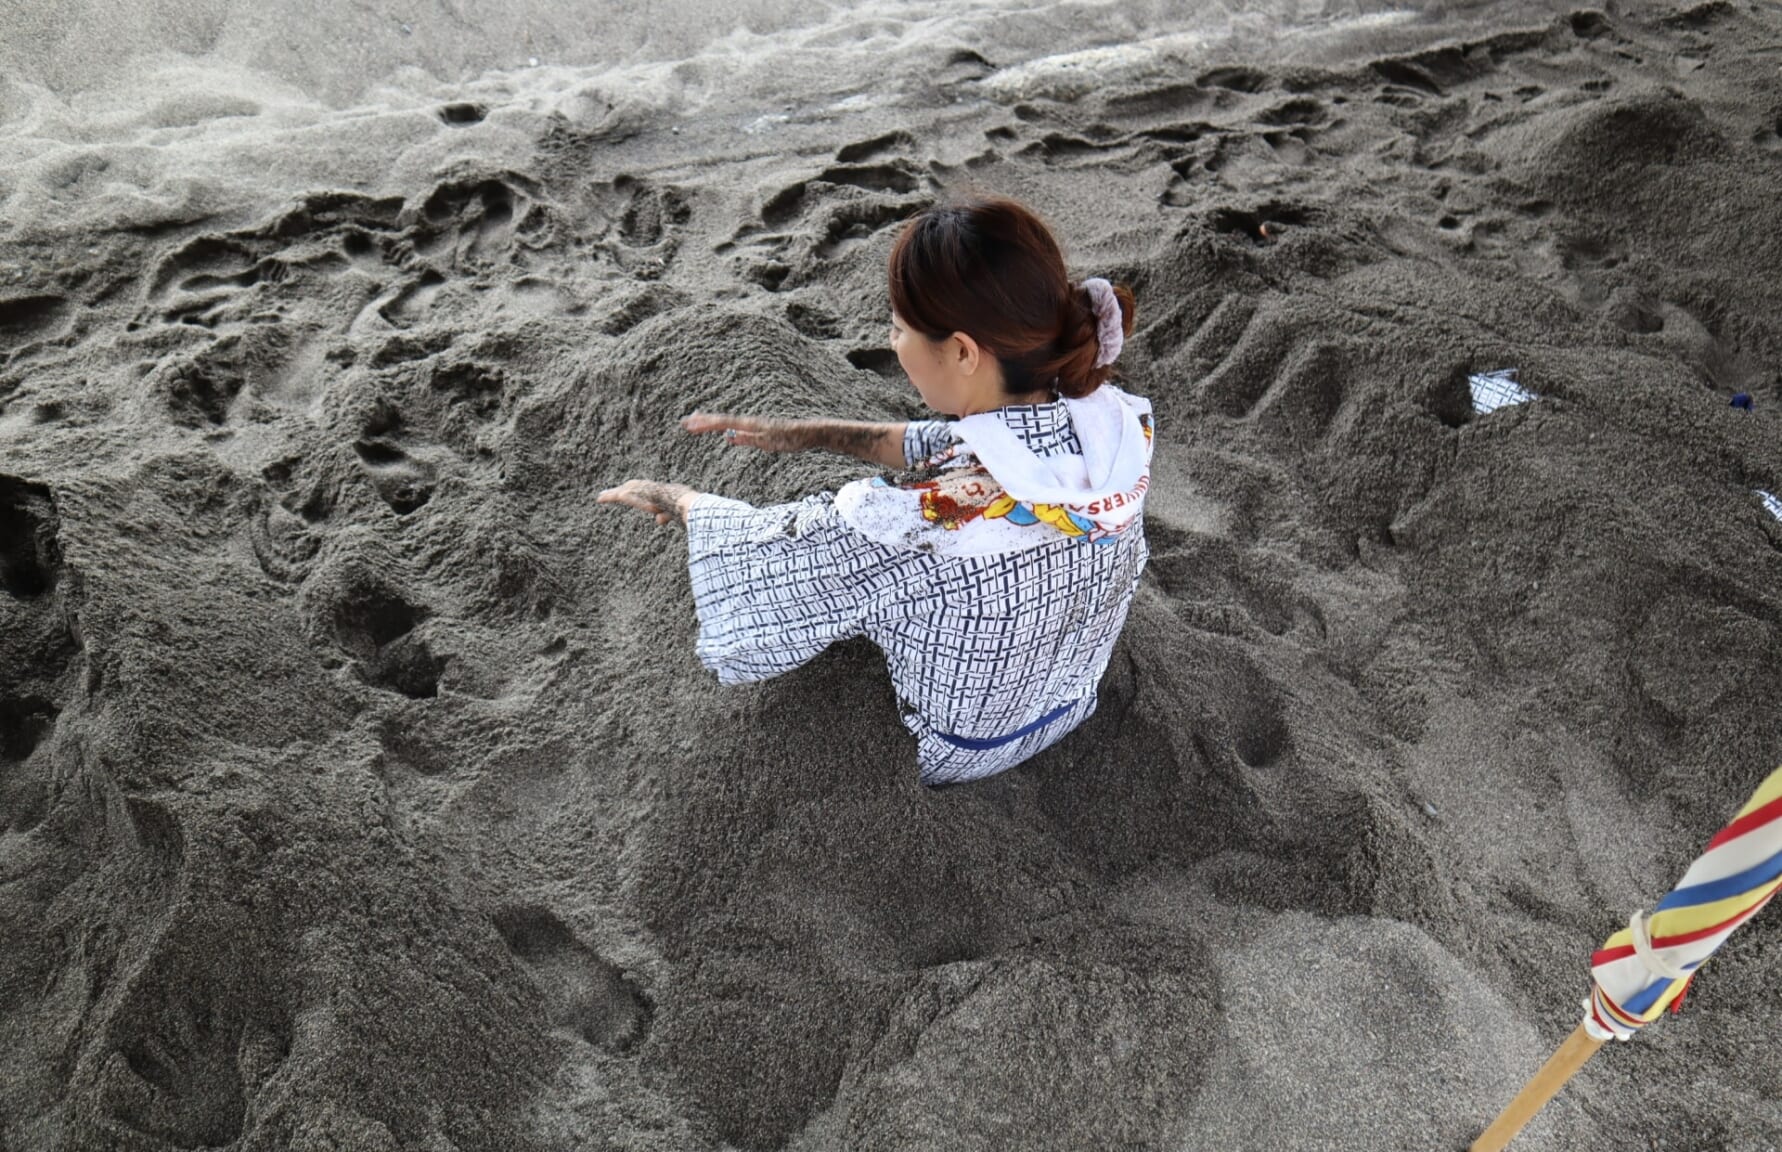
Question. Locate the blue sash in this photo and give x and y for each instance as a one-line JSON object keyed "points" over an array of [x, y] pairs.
{"points": [[974, 744]]}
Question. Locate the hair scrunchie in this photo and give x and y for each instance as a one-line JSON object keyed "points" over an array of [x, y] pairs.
{"points": [[1109, 326]]}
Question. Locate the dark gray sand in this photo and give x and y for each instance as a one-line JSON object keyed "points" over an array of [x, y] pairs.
{"points": [[360, 788]]}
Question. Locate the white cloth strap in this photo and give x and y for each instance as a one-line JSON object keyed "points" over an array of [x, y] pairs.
{"points": [[1642, 942]]}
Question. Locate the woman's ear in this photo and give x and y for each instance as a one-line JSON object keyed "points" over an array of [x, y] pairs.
{"points": [[968, 355]]}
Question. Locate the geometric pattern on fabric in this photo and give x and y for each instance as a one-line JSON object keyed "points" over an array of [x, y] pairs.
{"points": [[925, 438], [1644, 968], [977, 647], [1494, 390]]}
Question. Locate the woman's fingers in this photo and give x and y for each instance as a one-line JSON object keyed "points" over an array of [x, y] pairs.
{"points": [[662, 501], [637, 494], [700, 422], [619, 495]]}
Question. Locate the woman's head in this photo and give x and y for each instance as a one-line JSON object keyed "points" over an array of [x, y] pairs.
{"points": [[979, 288]]}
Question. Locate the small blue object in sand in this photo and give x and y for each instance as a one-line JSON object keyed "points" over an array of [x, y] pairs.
{"points": [[1770, 502], [1742, 400], [1494, 390]]}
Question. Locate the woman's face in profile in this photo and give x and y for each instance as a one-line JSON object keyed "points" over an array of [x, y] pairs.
{"points": [[921, 362], [945, 372]]}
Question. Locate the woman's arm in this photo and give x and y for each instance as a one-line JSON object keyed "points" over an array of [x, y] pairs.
{"points": [[775, 586], [877, 443]]}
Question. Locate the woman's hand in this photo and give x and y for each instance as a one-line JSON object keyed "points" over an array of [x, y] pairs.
{"points": [[875, 443], [768, 433], [663, 501]]}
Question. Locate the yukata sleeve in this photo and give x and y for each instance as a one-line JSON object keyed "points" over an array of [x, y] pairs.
{"points": [[774, 586], [923, 438]]}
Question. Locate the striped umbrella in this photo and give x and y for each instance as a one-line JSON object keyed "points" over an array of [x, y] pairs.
{"points": [[1645, 968]]}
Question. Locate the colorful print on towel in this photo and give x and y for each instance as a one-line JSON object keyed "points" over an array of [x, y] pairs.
{"points": [[956, 497], [957, 505]]}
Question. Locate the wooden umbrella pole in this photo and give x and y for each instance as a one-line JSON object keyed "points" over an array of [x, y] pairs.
{"points": [[1578, 1047]]}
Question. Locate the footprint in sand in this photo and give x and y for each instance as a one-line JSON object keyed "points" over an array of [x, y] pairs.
{"points": [[264, 307], [1235, 78], [1770, 137], [410, 301], [283, 532], [639, 223], [403, 482], [181, 1052], [470, 221], [874, 146], [582, 993], [376, 626], [1219, 587], [29, 322], [816, 221]]}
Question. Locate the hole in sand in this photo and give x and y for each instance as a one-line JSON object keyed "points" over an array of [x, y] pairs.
{"points": [[813, 322], [1406, 75], [462, 113], [29, 556], [1237, 79], [23, 725], [22, 316], [1589, 24], [1250, 224], [1262, 743], [378, 454], [367, 622], [407, 666], [770, 274], [1451, 400], [880, 360]]}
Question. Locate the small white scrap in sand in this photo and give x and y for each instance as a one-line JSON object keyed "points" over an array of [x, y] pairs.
{"points": [[1494, 390], [765, 123], [1770, 502]]}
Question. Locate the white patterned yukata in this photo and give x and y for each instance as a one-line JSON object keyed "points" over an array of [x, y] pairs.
{"points": [[980, 648]]}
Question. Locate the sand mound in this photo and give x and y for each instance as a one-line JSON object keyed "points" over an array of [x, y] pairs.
{"points": [[358, 785]]}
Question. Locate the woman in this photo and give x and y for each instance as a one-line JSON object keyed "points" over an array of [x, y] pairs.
{"points": [[997, 577]]}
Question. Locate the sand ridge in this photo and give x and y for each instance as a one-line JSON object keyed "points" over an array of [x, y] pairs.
{"points": [[359, 786]]}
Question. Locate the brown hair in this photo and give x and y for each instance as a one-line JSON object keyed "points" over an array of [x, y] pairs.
{"points": [[989, 267]]}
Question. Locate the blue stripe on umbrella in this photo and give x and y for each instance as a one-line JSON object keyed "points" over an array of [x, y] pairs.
{"points": [[1646, 997], [1727, 886]]}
